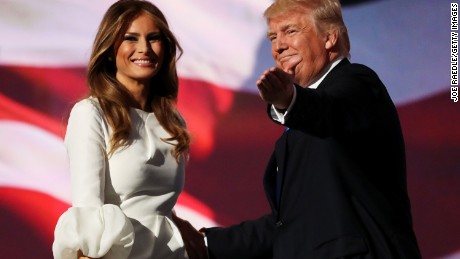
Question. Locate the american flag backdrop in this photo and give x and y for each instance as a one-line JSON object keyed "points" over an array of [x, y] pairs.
{"points": [[44, 50]]}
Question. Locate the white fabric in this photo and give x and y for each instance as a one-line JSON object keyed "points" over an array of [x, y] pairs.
{"points": [[279, 116], [96, 231], [142, 180]]}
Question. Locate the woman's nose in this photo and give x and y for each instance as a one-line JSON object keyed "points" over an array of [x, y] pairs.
{"points": [[143, 46]]}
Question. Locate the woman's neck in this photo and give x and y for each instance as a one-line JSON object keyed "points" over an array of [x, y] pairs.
{"points": [[139, 92]]}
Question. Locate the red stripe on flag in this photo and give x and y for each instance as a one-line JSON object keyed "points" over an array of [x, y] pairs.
{"points": [[10, 110], [39, 210], [66, 83]]}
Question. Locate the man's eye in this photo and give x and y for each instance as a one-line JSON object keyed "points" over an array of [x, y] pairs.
{"points": [[291, 32]]}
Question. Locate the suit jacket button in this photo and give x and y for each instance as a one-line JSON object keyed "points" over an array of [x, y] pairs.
{"points": [[279, 223]]}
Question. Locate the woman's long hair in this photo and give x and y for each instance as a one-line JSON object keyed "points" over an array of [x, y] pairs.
{"points": [[114, 98]]}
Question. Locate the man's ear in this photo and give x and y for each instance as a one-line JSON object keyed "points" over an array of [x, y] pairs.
{"points": [[331, 39]]}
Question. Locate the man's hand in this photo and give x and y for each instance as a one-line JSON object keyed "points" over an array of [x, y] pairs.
{"points": [[276, 85], [193, 239]]}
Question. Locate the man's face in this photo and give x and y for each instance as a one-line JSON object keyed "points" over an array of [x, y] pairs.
{"points": [[297, 44]]}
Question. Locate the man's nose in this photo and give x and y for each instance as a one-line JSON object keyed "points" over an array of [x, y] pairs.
{"points": [[280, 44]]}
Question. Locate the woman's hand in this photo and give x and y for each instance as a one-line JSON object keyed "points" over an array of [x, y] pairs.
{"points": [[81, 256], [193, 239]]}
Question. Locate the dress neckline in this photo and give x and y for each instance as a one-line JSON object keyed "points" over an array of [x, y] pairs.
{"points": [[140, 110]]}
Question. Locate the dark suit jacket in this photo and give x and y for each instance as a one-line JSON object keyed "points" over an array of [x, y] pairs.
{"points": [[343, 173]]}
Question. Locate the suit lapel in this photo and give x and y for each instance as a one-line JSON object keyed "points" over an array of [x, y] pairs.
{"points": [[277, 163]]}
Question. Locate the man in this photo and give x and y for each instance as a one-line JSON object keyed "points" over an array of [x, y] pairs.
{"points": [[336, 181]]}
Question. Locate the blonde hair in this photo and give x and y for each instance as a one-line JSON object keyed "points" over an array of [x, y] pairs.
{"points": [[325, 13], [114, 98]]}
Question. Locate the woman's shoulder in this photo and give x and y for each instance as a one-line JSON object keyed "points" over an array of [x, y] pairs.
{"points": [[88, 105], [87, 110]]}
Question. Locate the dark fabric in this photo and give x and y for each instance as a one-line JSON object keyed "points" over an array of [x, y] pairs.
{"points": [[278, 183], [250, 239], [343, 176], [278, 189]]}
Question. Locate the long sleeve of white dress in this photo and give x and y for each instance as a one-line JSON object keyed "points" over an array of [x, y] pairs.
{"points": [[121, 205], [90, 226]]}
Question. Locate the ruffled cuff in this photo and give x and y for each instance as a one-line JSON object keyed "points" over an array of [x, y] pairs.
{"points": [[96, 231]]}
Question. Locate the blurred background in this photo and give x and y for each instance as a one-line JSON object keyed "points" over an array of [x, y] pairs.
{"points": [[44, 50]]}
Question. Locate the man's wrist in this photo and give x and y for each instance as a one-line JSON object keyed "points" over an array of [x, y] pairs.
{"points": [[203, 232], [280, 110]]}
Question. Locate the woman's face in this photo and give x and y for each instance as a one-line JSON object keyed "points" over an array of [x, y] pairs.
{"points": [[140, 54]]}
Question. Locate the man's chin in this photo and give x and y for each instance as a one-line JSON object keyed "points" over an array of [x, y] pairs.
{"points": [[300, 83], [297, 81]]}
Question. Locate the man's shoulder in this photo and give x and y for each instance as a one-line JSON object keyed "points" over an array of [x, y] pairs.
{"points": [[351, 74], [347, 67]]}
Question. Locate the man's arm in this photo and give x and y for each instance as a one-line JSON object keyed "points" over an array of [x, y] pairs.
{"points": [[348, 102], [249, 239]]}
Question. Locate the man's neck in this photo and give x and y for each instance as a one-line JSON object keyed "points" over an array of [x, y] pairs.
{"points": [[324, 73]]}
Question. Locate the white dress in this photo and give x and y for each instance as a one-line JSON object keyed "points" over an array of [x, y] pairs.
{"points": [[121, 205]]}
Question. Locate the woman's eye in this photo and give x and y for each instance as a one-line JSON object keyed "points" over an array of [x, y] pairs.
{"points": [[156, 37], [130, 38]]}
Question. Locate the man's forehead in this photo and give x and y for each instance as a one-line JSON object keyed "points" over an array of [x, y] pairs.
{"points": [[283, 22]]}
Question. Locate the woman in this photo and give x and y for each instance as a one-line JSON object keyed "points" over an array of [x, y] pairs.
{"points": [[126, 143]]}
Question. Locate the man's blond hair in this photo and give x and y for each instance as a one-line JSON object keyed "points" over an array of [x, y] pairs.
{"points": [[327, 15]]}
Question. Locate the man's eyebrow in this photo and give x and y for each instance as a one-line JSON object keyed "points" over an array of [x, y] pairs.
{"points": [[289, 26], [283, 28]]}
